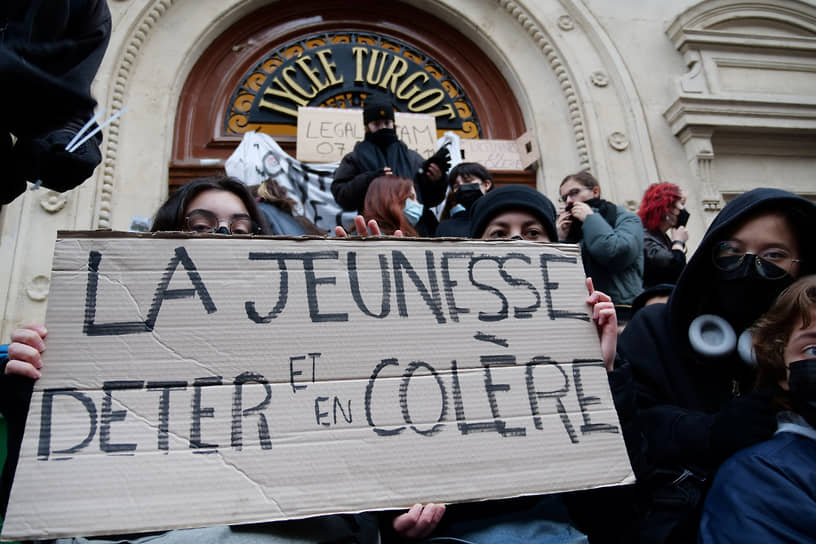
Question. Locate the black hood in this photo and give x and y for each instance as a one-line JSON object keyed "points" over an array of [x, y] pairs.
{"points": [[697, 284]]}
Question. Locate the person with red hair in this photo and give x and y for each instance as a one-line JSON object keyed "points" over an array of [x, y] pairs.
{"points": [[391, 201], [664, 218]]}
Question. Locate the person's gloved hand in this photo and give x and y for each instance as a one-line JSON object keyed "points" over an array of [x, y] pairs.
{"points": [[46, 159], [742, 422], [441, 158]]}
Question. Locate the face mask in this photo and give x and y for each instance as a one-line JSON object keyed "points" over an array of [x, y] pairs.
{"points": [[682, 218], [413, 211], [802, 382], [222, 230], [467, 194], [742, 295], [456, 209], [384, 137]]}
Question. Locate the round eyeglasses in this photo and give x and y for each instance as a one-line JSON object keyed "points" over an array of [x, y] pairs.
{"points": [[771, 263], [205, 221]]}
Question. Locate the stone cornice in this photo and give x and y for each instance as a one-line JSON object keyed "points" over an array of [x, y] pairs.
{"points": [[740, 112]]}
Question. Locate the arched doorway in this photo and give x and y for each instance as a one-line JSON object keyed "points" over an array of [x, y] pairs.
{"points": [[232, 74]]}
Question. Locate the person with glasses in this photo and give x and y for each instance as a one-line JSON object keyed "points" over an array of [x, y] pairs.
{"points": [[696, 407], [611, 238], [220, 205]]}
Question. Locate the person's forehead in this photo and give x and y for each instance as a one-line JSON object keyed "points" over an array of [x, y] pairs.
{"points": [[803, 335], [770, 227], [571, 184], [218, 202], [515, 216]]}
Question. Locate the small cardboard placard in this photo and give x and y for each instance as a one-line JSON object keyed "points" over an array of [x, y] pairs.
{"points": [[328, 134], [494, 155], [195, 381]]}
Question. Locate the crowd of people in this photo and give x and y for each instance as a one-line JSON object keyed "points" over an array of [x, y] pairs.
{"points": [[720, 441]]}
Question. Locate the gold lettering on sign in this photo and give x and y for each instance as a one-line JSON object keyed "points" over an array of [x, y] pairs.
{"points": [[329, 67], [374, 67], [311, 73], [401, 92], [359, 56], [397, 69]]}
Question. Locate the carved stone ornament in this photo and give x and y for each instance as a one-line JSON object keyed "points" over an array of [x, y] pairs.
{"points": [[37, 288], [565, 23], [618, 141], [52, 201], [599, 79]]}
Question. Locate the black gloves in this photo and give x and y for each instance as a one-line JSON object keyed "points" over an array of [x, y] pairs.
{"points": [[46, 159], [441, 158], [742, 422]]}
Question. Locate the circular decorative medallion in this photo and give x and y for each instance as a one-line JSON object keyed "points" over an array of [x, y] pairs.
{"points": [[37, 288], [618, 141], [52, 201], [565, 23], [599, 79]]}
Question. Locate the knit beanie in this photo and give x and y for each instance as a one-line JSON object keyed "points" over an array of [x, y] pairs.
{"points": [[377, 108], [512, 197]]}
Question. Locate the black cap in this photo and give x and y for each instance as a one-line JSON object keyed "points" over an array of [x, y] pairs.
{"points": [[376, 108], [512, 197]]}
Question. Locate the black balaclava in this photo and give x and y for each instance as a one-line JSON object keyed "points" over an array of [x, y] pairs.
{"points": [[743, 295], [382, 138]]}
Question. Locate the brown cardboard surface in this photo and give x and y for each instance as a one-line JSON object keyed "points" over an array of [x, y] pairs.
{"points": [[213, 380], [328, 134]]}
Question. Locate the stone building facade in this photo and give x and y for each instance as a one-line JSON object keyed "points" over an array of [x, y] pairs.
{"points": [[718, 96]]}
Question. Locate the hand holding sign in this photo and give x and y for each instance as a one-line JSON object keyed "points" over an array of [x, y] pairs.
{"points": [[419, 521], [24, 351], [372, 228], [605, 318]]}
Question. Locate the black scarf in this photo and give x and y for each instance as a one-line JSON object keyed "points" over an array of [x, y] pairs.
{"points": [[607, 210]]}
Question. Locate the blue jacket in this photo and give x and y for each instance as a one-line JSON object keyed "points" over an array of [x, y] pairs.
{"points": [[765, 493]]}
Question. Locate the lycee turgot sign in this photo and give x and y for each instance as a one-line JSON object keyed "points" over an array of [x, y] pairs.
{"points": [[205, 380], [341, 71]]}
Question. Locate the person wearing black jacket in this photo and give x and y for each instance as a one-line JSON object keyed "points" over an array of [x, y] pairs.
{"points": [[693, 404], [382, 153], [50, 52]]}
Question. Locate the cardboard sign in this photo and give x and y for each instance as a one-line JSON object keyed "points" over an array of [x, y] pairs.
{"points": [[328, 134], [194, 381], [515, 154]]}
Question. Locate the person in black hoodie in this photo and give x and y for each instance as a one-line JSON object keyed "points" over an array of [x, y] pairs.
{"points": [[694, 408], [381, 153], [50, 52]]}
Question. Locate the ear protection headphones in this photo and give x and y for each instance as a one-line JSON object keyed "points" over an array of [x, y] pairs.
{"points": [[713, 337]]}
